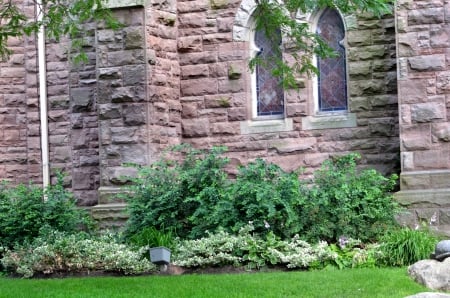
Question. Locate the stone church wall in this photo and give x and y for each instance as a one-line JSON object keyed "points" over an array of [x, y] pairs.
{"points": [[423, 84], [177, 73], [20, 154], [215, 104]]}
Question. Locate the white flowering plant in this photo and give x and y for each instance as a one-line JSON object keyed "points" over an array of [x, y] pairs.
{"points": [[247, 249], [63, 253]]}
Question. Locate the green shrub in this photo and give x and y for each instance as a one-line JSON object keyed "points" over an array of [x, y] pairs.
{"points": [[346, 202], [64, 253], [24, 213], [181, 195], [265, 195], [401, 247], [193, 196]]}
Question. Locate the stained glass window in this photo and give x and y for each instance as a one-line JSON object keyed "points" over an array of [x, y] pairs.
{"points": [[269, 92], [332, 82]]}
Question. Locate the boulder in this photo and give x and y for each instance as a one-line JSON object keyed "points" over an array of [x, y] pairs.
{"points": [[433, 274], [429, 295]]}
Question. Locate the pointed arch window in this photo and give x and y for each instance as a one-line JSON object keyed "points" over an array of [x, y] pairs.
{"points": [[269, 94], [332, 79]]}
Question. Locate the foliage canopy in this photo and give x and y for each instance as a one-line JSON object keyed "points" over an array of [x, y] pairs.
{"points": [[59, 17]]}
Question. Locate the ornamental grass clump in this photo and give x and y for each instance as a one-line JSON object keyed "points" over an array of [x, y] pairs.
{"points": [[404, 246]]}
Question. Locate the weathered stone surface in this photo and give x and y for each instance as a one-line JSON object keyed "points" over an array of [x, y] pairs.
{"points": [[433, 274], [198, 87], [433, 15], [190, 44], [121, 175], [429, 295], [134, 115], [427, 112], [195, 128], [81, 99], [427, 63], [441, 132]]}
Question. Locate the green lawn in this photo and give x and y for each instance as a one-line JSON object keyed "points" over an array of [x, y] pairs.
{"points": [[346, 283]]}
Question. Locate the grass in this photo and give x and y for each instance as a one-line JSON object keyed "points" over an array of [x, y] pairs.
{"points": [[359, 283]]}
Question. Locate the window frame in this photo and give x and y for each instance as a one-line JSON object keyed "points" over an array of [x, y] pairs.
{"points": [[253, 51], [315, 78]]}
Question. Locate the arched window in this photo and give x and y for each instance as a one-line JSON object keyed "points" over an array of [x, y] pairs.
{"points": [[269, 91], [332, 79]]}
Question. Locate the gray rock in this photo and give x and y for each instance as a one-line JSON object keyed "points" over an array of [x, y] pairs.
{"points": [[429, 295], [433, 274]]}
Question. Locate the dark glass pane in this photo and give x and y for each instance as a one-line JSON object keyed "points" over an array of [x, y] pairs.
{"points": [[269, 91], [332, 77]]}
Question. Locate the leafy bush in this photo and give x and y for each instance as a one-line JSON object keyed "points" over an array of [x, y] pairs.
{"points": [[181, 195], [353, 253], [24, 213], [193, 196], [401, 247], [266, 196], [64, 253], [247, 249], [346, 202]]}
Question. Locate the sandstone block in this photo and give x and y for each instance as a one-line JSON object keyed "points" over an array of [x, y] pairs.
{"points": [[193, 20], [124, 135], [237, 114], [195, 128], [225, 128], [359, 38], [198, 87], [133, 75], [432, 15], [443, 82], [293, 110], [413, 91], [416, 137], [190, 44], [133, 38], [441, 132], [81, 99], [230, 86], [427, 63], [134, 114], [204, 57], [189, 110], [108, 73], [61, 154], [109, 111], [432, 159], [293, 145], [128, 94], [427, 112], [194, 71], [217, 38]]}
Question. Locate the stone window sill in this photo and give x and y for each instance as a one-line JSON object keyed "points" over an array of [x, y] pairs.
{"points": [[265, 126], [329, 120], [123, 3]]}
